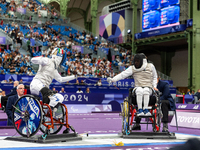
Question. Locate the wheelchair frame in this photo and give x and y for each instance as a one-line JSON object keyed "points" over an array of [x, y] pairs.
{"points": [[129, 109], [30, 114], [129, 112]]}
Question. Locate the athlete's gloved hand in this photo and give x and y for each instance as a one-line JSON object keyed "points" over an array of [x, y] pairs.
{"points": [[109, 80]]}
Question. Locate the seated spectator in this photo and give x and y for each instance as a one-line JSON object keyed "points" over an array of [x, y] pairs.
{"points": [[193, 92], [197, 94], [68, 83], [82, 83], [188, 92], [4, 81], [21, 70], [79, 91], [88, 90], [99, 83], [21, 81], [10, 81], [54, 89], [62, 90], [77, 82], [30, 73], [12, 69]]}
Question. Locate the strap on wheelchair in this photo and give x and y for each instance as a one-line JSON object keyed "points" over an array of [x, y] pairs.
{"points": [[46, 92]]}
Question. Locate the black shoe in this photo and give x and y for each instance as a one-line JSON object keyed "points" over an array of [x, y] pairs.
{"points": [[66, 131], [3, 108], [136, 127], [165, 130]]}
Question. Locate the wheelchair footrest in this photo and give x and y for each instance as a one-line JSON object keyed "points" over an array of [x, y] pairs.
{"points": [[149, 135], [145, 116], [48, 139]]}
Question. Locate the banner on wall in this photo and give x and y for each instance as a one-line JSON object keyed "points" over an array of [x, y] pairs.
{"points": [[32, 42], [2, 40], [21, 10], [186, 119], [43, 13], [104, 50], [188, 106], [78, 48], [93, 98]]}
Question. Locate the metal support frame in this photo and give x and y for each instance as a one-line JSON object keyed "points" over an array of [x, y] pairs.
{"points": [[48, 138]]}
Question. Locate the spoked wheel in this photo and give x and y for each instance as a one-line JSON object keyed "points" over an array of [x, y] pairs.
{"points": [[58, 119], [27, 116], [125, 117]]}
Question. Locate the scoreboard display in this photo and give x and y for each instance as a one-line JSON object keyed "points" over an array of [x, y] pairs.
{"points": [[169, 15], [160, 14], [151, 19]]}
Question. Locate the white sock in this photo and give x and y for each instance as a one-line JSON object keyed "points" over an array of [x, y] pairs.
{"points": [[139, 101], [146, 101]]}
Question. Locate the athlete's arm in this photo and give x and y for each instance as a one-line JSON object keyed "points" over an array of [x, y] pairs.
{"points": [[61, 79], [154, 77], [128, 72], [40, 60]]}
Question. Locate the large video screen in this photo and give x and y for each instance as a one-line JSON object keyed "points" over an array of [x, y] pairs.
{"points": [[160, 14]]}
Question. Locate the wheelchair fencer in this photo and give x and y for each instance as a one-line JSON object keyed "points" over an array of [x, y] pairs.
{"points": [[129, 112], [31, 114]]}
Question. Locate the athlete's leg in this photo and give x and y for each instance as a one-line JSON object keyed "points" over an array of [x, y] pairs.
{"points": [[35, 86]]}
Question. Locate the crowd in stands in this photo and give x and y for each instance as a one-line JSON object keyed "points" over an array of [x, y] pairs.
{"points": [[53, 36], [14, 63], [8, 8], [76, 62]]}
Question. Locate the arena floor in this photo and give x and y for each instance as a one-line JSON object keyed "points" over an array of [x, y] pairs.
{"points": [[102, 129]]}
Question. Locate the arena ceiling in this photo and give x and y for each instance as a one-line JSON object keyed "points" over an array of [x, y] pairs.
{"points": [[77, 5]]}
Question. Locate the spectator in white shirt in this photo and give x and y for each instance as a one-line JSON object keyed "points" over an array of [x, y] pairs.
{"points": [[79, 91]]}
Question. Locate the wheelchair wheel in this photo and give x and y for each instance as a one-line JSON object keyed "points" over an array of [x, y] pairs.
{"points": [[59, 115], [27, 116], [125, 117]]}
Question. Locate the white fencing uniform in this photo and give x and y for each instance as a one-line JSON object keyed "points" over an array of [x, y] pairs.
{"points": [[145, 78], [46, 73]]}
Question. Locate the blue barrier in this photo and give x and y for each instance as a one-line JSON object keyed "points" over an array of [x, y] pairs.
{"points": [[123, 85], [87, 80]]}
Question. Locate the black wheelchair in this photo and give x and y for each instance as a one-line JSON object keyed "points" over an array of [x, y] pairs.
{"points": [[129, 114], [129, 111]]}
